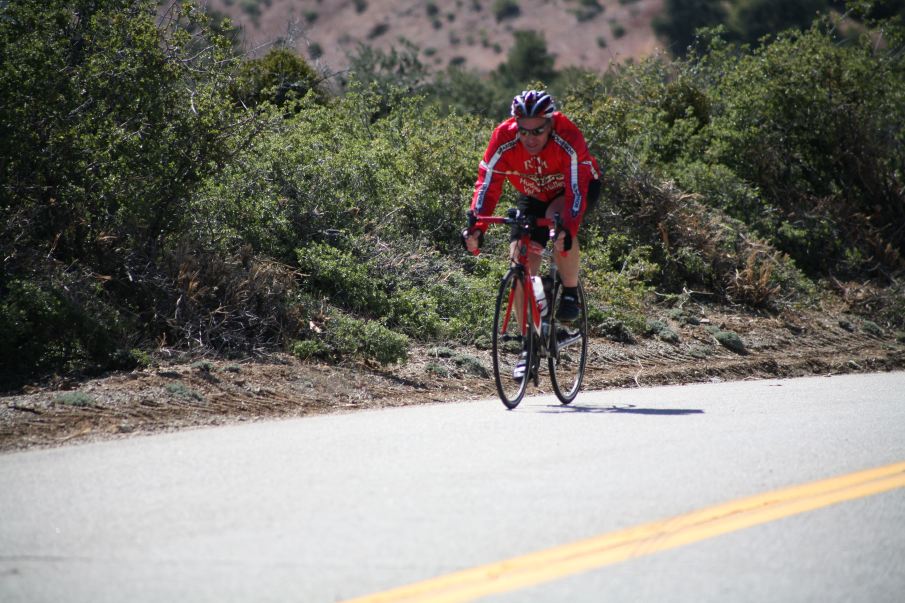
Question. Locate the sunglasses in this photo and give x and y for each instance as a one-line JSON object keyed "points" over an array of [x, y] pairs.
{"points": [[534, 132]]}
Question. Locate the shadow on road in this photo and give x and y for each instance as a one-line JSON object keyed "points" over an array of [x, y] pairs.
{"points": [[627, 408]]}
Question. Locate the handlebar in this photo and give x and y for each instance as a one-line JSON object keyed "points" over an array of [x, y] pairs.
{"points": [[515, 217]]}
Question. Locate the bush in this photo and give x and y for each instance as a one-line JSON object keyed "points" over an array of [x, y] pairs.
{"points": [[346, 337], [731, 341], [44, 329], [78, 399], [751, 20], [180, 390], [834, 181], [278, 78], [617, 278], [587, 10], [111, 116], [109, 122], [528, 60], [681, 18], [329, 226], [505, 9]]}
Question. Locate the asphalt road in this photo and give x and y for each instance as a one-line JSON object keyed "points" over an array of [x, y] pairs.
{"points": [[335, 507]]}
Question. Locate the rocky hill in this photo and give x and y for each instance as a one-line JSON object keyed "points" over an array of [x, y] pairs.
{"points": [[472, 33]]}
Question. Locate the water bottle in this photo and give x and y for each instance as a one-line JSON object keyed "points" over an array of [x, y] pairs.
{"points": [[538, 286]]}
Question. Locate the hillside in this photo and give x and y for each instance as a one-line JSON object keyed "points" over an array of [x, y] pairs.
{"points": [[579, 33]]}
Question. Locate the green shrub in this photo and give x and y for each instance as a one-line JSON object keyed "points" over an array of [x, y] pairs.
{"points": [[111, 117], [617, 276], [344, 278], [731, 341], [472, 366], [347, 337], [872, 328], [831, 181], [662, 331], [309, 349], [278, 78], [181, 390], [751, 20], [505, 9], [142, 359], [587, 10], [437, 370], [45, 328], [528, 60], [680, 20], [78, 399]]}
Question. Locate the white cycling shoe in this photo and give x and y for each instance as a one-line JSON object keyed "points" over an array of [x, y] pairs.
{"points": [[518, 373]]}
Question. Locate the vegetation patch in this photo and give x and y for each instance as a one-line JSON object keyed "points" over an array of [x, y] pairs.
{"points": [[731, 341], [77, 399], [181, 390], [662, 331], [165, 195]]}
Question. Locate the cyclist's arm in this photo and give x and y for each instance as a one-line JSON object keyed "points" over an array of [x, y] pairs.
{"points": [[489, 185], [581, 170]]}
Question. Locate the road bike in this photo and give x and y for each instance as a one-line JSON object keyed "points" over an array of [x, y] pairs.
{"points": [[522, 326]]}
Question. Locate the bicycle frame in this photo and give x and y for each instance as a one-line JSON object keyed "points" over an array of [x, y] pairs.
{"points": [[525, 225], [538, 336]]}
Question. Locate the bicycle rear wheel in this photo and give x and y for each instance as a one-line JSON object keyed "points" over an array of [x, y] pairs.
{"points": [[567, 348], [509, 342]]}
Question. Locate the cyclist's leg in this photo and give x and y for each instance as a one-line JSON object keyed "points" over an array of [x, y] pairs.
{"points": [[568, 264]]}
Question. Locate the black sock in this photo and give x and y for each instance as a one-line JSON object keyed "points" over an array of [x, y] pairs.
{"points": [[573, 291]]}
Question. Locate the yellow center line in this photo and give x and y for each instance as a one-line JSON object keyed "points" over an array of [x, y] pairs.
{"points": [[555, 563]]}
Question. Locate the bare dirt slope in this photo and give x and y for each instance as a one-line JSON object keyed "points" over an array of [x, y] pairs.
{"points": [[465, 32], [187, 394]]}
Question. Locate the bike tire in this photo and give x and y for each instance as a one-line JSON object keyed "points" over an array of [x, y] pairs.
{"points": [[508, 343], [567, 348]]}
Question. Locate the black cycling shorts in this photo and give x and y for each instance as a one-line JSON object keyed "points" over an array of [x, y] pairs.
{"points": [[535, 207]]}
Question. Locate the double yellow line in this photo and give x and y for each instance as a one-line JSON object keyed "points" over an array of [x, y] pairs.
{"points": [[551, 564]]}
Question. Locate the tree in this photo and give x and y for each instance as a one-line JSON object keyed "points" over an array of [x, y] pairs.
{"points": [[108, 122], [753, 19], [528, 60], [279, 77], [110, 116], [681, 18]]}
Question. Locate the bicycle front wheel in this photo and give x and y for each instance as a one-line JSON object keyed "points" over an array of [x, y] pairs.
{"points": [[568, 349], [511, 341]]}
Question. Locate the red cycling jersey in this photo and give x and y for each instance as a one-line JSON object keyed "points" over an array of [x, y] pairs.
{"points": [[564, 166]]}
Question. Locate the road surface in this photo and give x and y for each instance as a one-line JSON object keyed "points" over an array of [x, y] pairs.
{"points": [[337, 507]]}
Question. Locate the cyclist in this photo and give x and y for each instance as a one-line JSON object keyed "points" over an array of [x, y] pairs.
{"points": [[545, 157]]}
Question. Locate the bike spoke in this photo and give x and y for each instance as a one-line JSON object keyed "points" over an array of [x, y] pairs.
{"points": [[569, 350], [508, 345]]}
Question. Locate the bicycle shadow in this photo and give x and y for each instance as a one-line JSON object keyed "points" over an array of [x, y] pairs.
{"points": [[625, 409]]}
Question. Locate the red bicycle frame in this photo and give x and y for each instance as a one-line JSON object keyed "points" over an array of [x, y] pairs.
{"points": [[527, 283]]}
